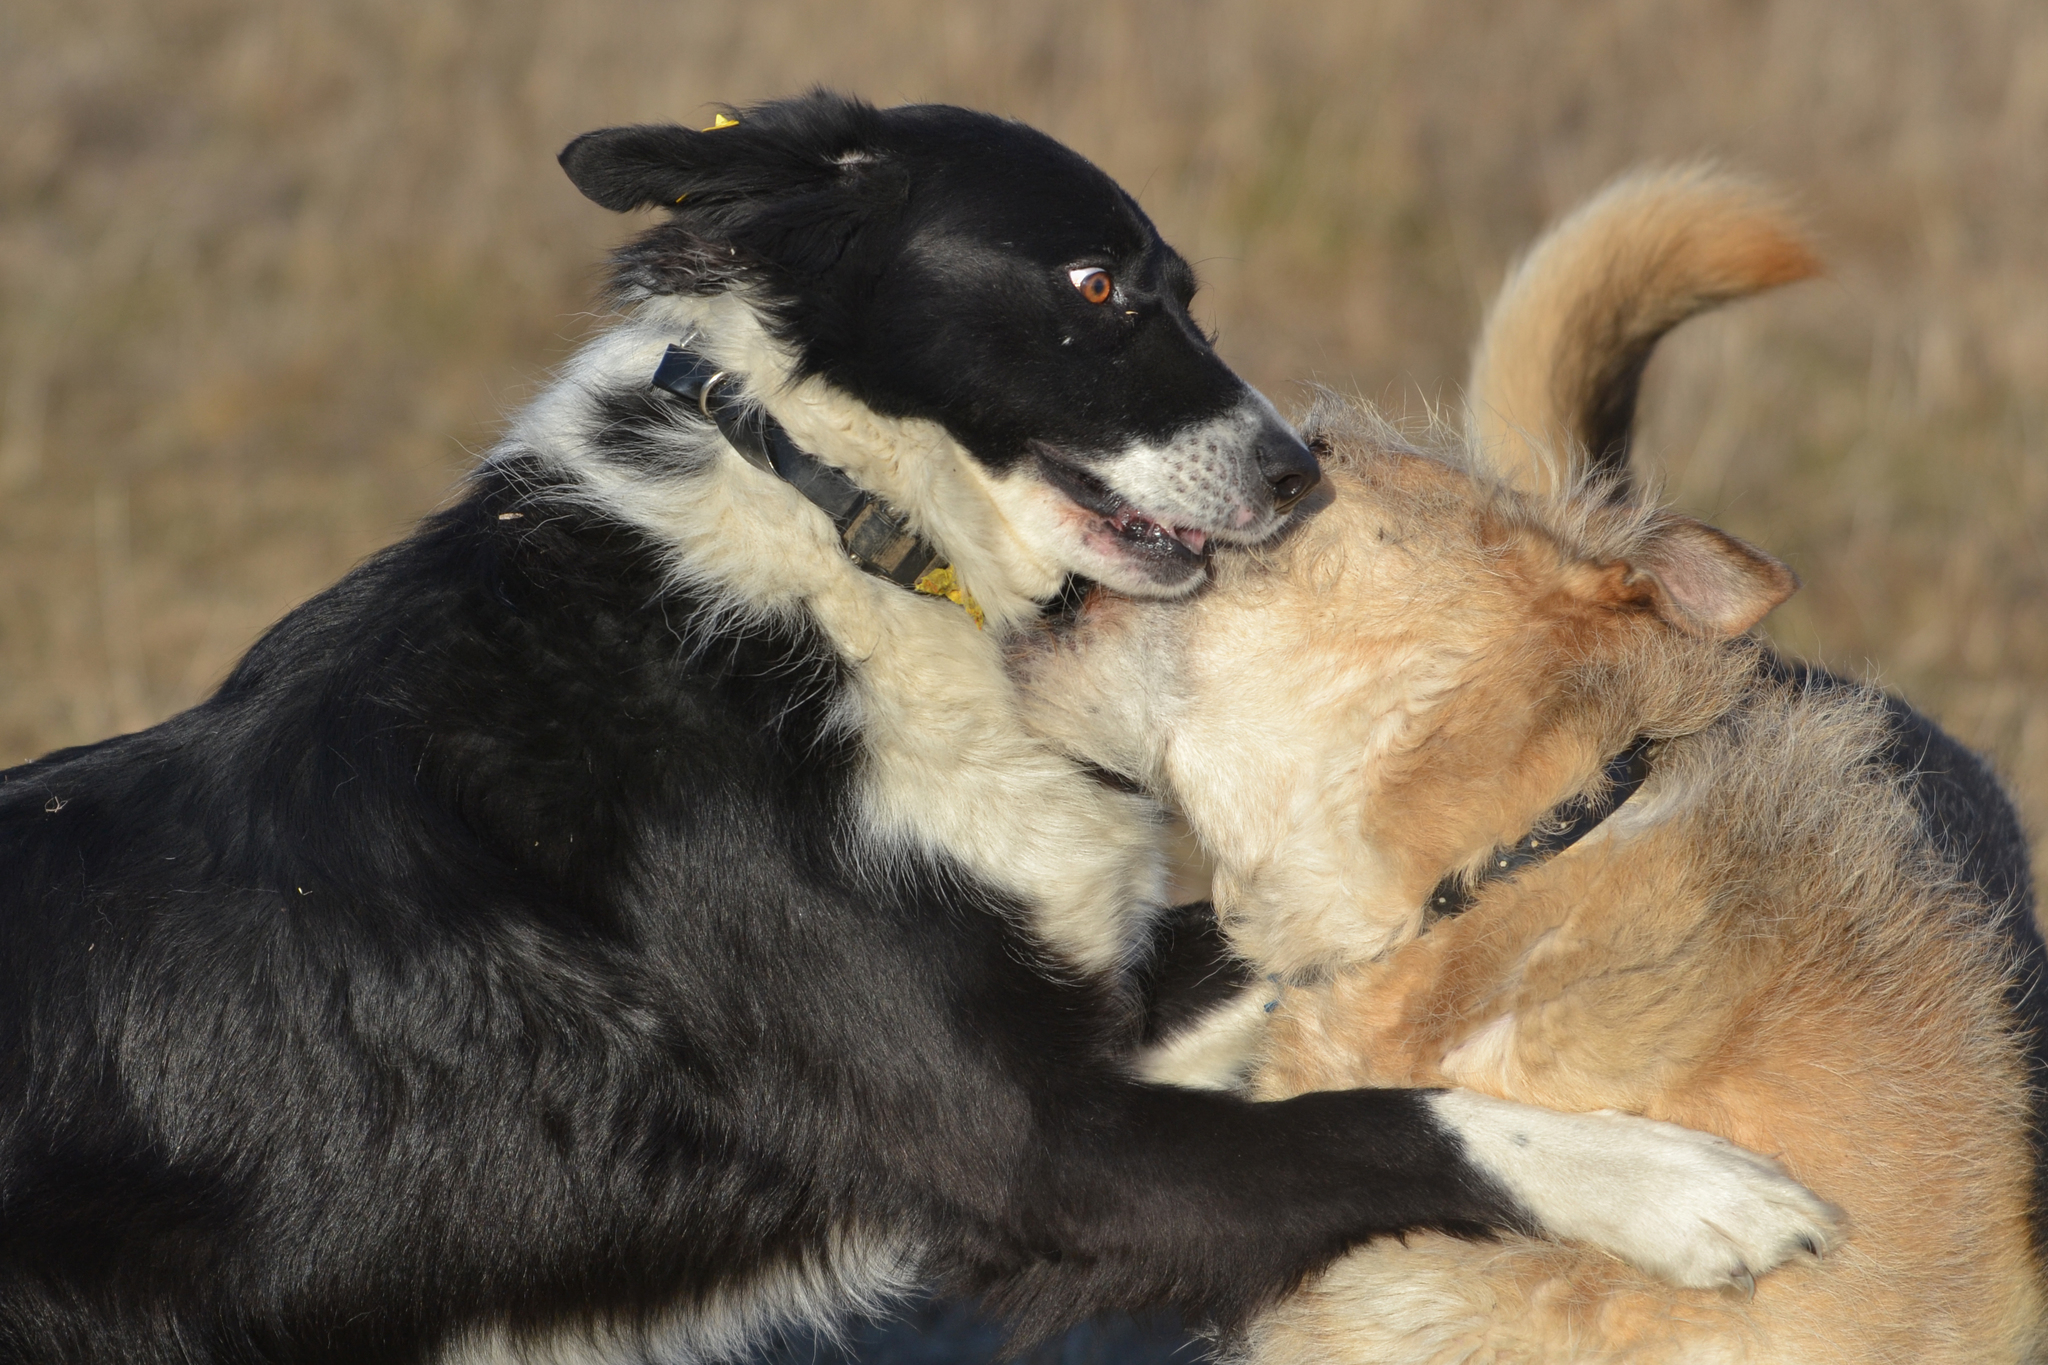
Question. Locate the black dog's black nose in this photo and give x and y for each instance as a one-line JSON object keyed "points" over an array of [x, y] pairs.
{"points": [[1289, 467]]}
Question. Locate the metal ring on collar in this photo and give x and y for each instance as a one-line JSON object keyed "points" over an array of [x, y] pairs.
{"points": [[704, 395]]}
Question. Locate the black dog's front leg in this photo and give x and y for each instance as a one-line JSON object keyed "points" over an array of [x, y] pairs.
{"points": [[1139, 1195]]}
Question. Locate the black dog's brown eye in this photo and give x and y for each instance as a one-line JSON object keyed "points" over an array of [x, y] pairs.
{"points": [[1095, 285]]}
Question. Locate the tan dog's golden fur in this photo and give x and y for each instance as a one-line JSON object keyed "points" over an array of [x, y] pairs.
{"points": [[1761, 942]]}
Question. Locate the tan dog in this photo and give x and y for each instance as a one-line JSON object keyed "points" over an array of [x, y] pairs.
{"points": [[1760, 941]]}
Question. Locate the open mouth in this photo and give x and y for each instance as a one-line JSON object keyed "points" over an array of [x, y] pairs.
{"points": [[1159, 541]]}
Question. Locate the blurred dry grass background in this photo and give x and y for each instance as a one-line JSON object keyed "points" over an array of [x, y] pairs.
{"points": [[271, 274]]}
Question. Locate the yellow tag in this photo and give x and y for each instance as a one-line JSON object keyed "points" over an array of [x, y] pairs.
{"points": [[722, 121], [943, 582]]}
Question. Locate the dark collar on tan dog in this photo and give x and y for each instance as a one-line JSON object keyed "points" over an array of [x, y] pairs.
{"points": [[1563, 826], [873, 533]]}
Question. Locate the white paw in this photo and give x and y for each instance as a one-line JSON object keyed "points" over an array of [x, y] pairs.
{"points": [[1687, 1207]]}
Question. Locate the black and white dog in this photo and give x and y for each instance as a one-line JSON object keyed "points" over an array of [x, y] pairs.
{"points": [[628, 913]]}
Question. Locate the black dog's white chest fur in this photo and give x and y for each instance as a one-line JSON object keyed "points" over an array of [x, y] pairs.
{"points": [[946, 764]]}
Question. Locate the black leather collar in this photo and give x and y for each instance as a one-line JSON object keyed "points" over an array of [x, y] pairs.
{"points": [[873, 533], [1557, 831]]}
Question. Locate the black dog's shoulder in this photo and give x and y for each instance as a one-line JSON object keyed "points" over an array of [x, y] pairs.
{"points": [[520, 662]]}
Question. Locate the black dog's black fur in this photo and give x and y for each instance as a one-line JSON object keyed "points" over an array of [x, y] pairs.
{"points": [[497, 952]]}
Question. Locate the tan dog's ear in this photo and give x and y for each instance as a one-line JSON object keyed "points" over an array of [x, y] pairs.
{"points": [[1706, 582]]}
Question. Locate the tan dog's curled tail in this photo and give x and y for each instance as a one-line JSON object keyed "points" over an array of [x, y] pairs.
{"points": [[1554, 377]]}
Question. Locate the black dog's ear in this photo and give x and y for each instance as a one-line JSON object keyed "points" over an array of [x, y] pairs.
{"points": [[638, 167], [786, 184], [665, 166], [774, 149]]}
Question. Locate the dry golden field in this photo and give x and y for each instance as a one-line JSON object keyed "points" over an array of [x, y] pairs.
{"points": [[270, 274]]}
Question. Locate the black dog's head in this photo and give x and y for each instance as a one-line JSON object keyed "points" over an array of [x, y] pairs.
{"points": [[936, 263]]}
